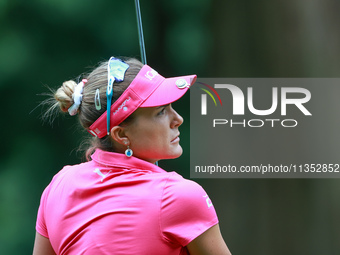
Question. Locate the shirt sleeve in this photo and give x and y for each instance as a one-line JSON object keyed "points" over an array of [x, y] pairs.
{"points": [[186, 211], [41, 224]]}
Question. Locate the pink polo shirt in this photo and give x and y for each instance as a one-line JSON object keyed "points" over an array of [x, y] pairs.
{"points": [[119, 205]]}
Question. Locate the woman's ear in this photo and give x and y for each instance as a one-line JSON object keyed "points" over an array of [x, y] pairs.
{"points": [[118, 134]]}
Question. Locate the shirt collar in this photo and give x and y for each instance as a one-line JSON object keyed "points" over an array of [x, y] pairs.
{"points": [[120, 160]]}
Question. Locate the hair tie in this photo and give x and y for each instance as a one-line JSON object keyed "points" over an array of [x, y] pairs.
{"points": [[77, 97]]}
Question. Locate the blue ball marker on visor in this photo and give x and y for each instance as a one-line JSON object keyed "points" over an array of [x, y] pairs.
{"points": [[116, 69]]}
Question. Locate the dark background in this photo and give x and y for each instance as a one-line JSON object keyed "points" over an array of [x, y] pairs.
{"points": [[45, 42]]}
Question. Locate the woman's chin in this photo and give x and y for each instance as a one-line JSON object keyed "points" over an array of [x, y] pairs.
{"points": [[177, 153]]}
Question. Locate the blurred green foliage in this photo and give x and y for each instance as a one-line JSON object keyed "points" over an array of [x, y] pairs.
{"points": [[45, 42]]}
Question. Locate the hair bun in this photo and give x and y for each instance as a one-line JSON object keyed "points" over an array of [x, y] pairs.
{"points": [[64, 95]]}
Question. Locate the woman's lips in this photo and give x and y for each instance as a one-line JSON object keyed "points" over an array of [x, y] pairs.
{"points": [[175, 140]]}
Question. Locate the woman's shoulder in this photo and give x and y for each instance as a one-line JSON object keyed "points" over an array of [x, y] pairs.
{"points": [[70, 172], [176, 179], [186, 210], [181, 188]]}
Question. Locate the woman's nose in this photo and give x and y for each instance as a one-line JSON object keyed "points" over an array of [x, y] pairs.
{"points": [[177, 119]]}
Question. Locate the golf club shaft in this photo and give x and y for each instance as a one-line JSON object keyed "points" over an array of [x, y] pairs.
{"points": [[140, 32]]}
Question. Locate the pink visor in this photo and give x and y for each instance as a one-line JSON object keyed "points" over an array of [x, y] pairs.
{"points": [[148, 89]]}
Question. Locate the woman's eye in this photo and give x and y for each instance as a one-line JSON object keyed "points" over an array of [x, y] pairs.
{"points": [[162, 111]]}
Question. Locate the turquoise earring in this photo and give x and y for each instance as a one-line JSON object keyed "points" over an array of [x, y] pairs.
{"points": [[128, 152]]}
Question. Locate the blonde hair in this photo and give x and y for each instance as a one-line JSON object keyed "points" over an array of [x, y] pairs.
{"points": [[87, 112]]}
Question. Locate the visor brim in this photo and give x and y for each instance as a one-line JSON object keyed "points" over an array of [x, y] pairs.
{"points": [[169, 91]]}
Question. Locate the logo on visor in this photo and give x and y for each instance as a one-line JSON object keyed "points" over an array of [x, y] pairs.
{"points": [[122, 106], [151, 74]]}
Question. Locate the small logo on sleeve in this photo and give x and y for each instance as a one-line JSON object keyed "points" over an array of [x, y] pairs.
{"points": [[208, 201]]}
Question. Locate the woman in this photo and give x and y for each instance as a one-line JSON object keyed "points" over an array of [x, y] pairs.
{"points": [[120, 201]]}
